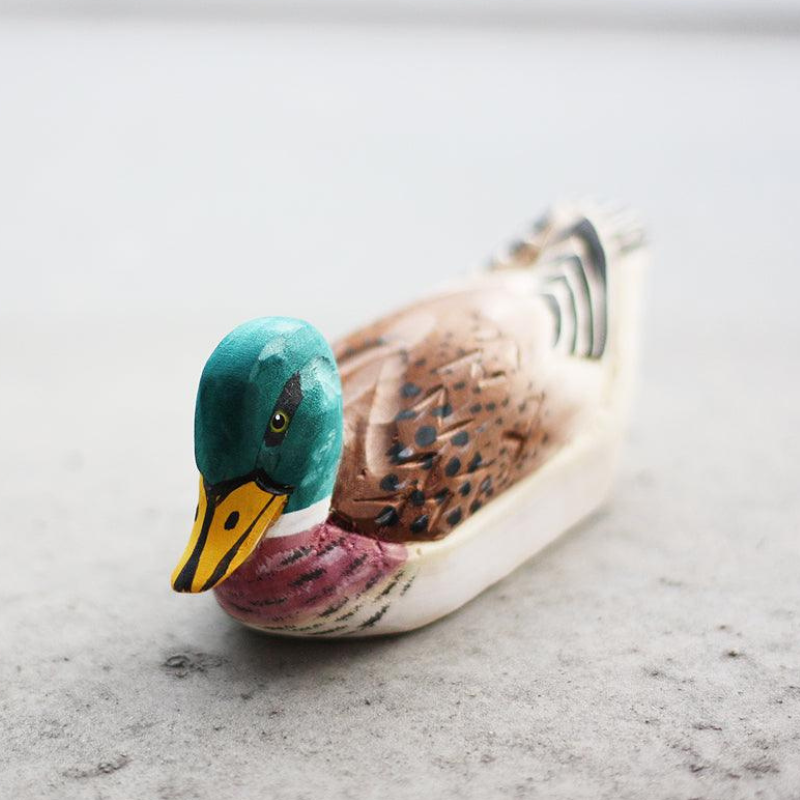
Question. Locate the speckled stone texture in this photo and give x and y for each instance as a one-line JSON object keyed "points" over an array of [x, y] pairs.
{"points": [[162, 183]]}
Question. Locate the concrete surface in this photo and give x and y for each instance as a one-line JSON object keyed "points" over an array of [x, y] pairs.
{"points": [[162, 183]]}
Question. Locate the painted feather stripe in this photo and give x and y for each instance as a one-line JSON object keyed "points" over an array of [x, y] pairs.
{"points": [[551, 301], [587, 233], [573, 308], [374, 618], [580, 271], [590, 316]]}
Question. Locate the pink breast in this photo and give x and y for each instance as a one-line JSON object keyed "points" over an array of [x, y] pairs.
{"points": [[318, 580]]}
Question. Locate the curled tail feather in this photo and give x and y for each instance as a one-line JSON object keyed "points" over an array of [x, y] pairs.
{"points": [[574, 251]]}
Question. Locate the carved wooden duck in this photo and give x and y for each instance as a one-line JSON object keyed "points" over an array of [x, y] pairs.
{"points": [[376, 486]]}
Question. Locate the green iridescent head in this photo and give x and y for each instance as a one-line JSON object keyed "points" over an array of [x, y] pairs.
{"points": [[268, 438]]}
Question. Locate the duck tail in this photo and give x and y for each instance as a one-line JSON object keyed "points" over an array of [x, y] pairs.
{"points": [[579, 253]]}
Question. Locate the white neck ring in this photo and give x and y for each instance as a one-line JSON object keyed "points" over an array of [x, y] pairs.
{"points": [[302, 520]]}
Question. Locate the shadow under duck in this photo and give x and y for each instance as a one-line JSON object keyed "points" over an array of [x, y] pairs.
{"points": [[376, 486]]}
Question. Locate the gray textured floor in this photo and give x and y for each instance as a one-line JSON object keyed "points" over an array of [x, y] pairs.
{"points": [[162, 184]]}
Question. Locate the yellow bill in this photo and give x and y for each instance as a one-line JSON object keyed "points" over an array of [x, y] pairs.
{"points": [[227, 527]]}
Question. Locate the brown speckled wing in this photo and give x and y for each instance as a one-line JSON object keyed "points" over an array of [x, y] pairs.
{"points": [[447, 404]]}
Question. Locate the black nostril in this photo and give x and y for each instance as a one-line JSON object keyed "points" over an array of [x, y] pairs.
{"points": [[196, 511], [232, 521]]}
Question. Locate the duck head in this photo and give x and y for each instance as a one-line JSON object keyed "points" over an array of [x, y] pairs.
{"points": [[268, 438]]}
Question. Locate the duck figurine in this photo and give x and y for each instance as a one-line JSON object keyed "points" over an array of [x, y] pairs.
{"points": [[376, 486]]}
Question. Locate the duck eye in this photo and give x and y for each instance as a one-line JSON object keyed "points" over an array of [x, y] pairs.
{"points": [[279, 422]]}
